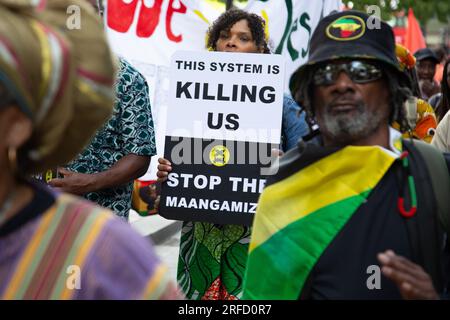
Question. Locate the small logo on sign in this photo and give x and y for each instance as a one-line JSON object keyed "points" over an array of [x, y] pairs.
{"points": [[48, 176], [219, 155], [346, 28]]}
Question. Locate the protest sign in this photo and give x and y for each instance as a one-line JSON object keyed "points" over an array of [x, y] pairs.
{"points": [[225, 117]]}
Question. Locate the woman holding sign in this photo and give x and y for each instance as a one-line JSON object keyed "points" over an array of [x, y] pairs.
{"points": [[213, 257]]}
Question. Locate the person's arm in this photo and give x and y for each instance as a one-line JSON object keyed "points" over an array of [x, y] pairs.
{"points": [[412, 281], [123, 171]]}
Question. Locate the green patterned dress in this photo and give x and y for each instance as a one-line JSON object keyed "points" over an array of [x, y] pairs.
{"points": [[212, 260]]}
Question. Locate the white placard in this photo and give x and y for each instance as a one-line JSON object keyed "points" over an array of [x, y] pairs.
{"points": [[246, 89]]}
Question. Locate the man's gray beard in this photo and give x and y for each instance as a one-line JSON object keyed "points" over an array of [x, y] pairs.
{"points": [[348, 127]]}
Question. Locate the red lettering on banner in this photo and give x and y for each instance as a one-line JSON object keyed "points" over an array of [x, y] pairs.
{"points": [[148, 19], [120, 16]]}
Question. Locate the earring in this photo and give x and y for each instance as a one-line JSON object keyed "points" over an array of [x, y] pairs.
{"points": [[12, 158]]}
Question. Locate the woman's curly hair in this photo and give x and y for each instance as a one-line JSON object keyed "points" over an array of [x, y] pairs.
{"points": [[228, 19]]}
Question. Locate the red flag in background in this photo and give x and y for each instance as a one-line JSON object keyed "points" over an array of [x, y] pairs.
{"points": [[414, 39]]}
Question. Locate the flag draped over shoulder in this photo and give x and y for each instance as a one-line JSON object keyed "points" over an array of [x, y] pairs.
{"points": [[299, 216]]}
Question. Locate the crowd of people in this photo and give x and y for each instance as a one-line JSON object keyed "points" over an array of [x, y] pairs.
{"points": [[363, 179]]}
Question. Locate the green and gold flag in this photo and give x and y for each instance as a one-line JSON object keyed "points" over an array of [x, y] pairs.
{"points": [[300, 215]]}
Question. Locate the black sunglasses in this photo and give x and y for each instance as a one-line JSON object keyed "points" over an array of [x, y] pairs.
{"points": [[358, 71]]}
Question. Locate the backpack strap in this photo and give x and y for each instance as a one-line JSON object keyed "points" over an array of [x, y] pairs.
{"points": [[440, 180], [426, 229]]}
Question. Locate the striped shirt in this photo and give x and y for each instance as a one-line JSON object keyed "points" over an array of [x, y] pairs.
{"points": [[76, 250]]}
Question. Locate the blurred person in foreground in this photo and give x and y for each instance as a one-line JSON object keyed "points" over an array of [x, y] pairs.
{"points": [[120, 150], [56, 89]]}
